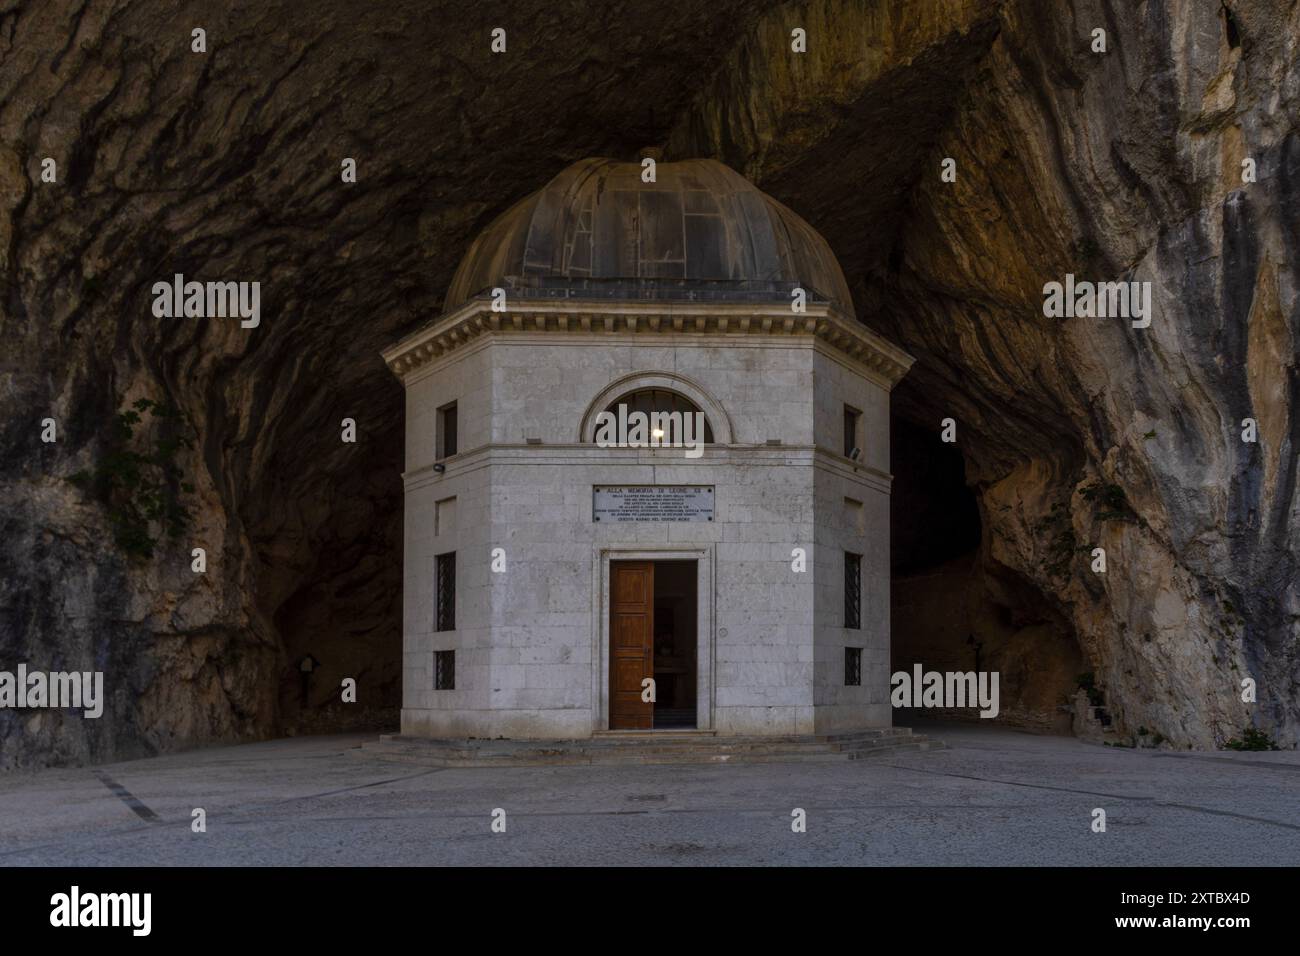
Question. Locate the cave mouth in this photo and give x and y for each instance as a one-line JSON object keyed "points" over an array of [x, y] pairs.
{"points": [[953, 609], [337, 613]]}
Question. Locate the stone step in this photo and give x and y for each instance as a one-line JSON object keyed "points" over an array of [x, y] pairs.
{"points": [[653, 738], [622, 736], [587, 759], [645, 743], [622, 748], [910, 747], [582, 754], [772, 756], [722, 746]]}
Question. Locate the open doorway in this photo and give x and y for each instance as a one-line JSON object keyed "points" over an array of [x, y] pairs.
{"points": [[675, 643], [653, 635]]}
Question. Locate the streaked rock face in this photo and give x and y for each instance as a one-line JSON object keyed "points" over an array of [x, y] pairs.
{"points": [[1079, 433], [1076, 433]]}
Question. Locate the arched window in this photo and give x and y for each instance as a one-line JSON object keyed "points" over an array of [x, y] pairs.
{"points": [[666, 410], [657, 392]]}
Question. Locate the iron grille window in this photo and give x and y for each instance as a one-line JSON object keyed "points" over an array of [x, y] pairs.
{"points": [[852, 590], [444, 670], [852, 667], [446, 592]]}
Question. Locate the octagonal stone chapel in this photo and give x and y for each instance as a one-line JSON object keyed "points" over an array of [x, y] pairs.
{"points": [[647, 471]]}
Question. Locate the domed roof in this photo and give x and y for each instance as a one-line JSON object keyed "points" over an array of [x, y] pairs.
{"points": [[700, 225]]}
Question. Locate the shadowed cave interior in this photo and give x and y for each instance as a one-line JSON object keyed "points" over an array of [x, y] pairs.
{"points": [[340, 604], [950, 609]]}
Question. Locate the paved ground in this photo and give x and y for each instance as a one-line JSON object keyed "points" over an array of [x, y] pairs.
{"points": [[996, 798]]}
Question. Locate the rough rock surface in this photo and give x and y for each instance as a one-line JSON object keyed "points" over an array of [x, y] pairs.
{"points": [[1077, 433], [225, 165]]}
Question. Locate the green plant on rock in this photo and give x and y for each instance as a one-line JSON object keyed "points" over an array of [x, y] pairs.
{"points": [[1111, 500], [137, 479], [1252, 739], [1062, 544]]}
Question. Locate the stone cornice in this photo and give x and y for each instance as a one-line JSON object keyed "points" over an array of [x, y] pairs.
{"points": [[593, 456], [647, 318]]}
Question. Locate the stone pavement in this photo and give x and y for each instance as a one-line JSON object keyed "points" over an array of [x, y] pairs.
{"points": [[996, 797]]}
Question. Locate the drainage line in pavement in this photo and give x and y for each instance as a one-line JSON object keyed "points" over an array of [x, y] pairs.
{"points": [[127, 797]]}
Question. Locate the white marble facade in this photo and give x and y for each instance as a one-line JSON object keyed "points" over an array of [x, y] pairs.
{"points": [[531, 638]]}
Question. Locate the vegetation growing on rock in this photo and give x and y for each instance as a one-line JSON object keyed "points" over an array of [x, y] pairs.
{"points": [[1252, 738], [137, 478]]}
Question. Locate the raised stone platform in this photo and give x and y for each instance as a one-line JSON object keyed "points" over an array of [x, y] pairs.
{"points": [[646, 747]]}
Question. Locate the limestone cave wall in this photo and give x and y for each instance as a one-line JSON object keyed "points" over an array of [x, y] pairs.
{"points": [[1078, 433], [225, 165]]}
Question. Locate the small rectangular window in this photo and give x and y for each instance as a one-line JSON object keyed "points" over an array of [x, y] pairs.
{"points": [[854, 516], [446, 573], [851, 418], [444, 516], [447, 431], [852, 590], [852, 667], [444, 670]]}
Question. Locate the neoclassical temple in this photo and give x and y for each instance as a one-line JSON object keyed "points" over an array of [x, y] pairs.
{"points": [[647, 471]]}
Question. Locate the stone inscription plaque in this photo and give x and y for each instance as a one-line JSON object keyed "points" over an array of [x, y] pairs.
{"points": [[652, 503]]}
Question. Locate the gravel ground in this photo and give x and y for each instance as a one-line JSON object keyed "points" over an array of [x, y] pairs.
{"points": [[997, 797]]}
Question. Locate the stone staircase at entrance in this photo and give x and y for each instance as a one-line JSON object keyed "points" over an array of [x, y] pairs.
{"points": [[623, 747]]}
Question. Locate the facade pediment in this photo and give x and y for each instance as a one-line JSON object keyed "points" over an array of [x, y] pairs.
{"points": [[886, 362]]}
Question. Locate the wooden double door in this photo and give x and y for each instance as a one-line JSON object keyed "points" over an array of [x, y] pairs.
{"points": [[631, 644]]}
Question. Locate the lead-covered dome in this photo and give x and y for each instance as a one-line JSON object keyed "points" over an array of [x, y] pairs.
{"points": [[700, 230]]}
